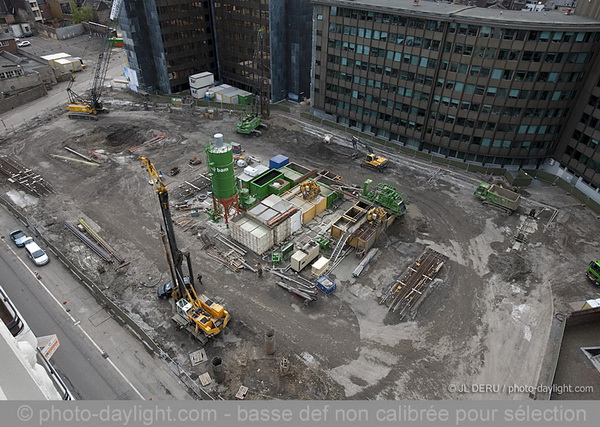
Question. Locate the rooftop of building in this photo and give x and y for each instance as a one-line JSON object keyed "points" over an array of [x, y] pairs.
{"points": [[29, 65], [431, 9], [574, 367], [6, 36]]}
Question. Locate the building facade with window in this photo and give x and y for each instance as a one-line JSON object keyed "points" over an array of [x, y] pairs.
{"points": [[492, 87], [166, 41]]}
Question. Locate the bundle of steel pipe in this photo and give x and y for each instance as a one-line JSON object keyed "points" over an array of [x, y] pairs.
{"points": [[100, 241], [90, 244]]}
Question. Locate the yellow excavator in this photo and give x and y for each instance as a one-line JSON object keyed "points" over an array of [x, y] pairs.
{"points": [[370, 160], [196, 313]]}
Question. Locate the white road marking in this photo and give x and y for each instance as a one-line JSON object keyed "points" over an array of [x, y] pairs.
{"points": [[77, 323]]}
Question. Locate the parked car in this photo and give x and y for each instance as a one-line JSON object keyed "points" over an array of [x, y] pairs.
{"points": [[18, 237], [28, 34], [165, 290], [24, 43], [37, 254]]}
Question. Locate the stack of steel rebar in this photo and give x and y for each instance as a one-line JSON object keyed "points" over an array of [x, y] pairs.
{"points": [[23, 176], [404, 294]]}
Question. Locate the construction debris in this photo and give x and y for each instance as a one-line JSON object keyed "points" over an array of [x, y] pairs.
{"points": [[232, 245], [23, 176], [195, 161], [241, 394], [71, 159], [231, 259], [307, 294], [205, 379], [198, 357], [190, 188], [158, 137], [404, 294], [306, 285], [89, 159]]}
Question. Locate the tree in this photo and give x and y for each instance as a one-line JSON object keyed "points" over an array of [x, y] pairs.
{"points": [[81, 14]]}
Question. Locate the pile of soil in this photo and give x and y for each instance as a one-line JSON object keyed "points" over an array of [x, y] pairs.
{"points": [[511, 266], [115, 138]]}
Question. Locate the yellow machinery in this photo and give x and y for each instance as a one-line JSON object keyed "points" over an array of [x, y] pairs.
{"points": [[310, 189], [195, 312], [88, 108], [376, 215], [371, 160]]}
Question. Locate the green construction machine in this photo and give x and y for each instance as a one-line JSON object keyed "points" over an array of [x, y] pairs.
{"points": [[498, 197], [385, 196], [593, 272], [251, 122]]}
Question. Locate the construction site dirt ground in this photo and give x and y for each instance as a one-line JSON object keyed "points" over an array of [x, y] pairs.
{"points": [[486, 321]]}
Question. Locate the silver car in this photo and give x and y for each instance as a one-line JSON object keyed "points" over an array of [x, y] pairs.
{"points": [[37, 254]]}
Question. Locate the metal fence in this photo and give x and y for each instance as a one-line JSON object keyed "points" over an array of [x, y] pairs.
{"points": [[114, 310]]}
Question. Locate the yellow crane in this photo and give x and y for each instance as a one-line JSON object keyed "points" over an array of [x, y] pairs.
{"points": [[196, 313], [87, 108]]}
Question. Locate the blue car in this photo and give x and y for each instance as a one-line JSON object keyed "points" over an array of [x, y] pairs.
{"points": [[18, 238]]}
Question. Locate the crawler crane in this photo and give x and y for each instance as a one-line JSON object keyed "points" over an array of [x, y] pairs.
{"points": [[80, 107]]}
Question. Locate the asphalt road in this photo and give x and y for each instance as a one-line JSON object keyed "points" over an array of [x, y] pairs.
{"points": [[81, 365], [98, 358], [81, 46]]}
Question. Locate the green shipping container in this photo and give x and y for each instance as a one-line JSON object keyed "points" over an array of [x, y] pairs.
{"points": [[245, 99]]}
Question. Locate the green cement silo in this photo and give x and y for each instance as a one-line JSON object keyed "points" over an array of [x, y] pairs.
{"points": [[220, 165]]}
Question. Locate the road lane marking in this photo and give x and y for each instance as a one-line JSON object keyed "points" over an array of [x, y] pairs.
{"points": [[77, 324]]}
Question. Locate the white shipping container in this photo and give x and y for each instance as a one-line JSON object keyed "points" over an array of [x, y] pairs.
{"points": [[198, 93], [262, 240], [201, 80], [282, 231], [249, 227], [219, 90], [320, 266], [55, 57], [68, 65], [296, 222]]}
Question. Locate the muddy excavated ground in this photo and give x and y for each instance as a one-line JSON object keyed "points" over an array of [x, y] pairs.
{"points": [[487, 321]]}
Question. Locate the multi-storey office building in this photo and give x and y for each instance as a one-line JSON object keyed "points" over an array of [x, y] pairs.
{"points": [[493, 87], [283, 57], [244, 43], [166, 41], [577, 152]]}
